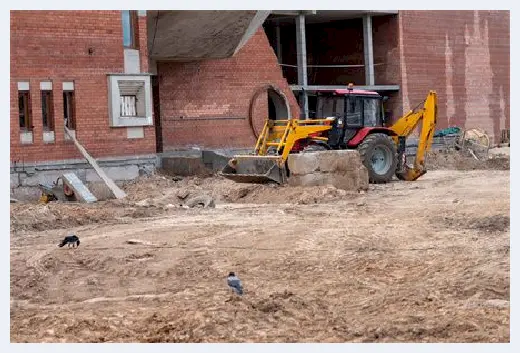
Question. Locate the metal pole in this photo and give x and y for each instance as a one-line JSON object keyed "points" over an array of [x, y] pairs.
{"points": [[278, 43], [368, 50], [301, 53]]}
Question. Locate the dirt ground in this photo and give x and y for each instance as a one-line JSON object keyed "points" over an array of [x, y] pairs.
{"points": [[424, 261]]}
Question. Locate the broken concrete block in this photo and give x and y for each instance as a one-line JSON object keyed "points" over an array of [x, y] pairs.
{"points": [[81, 192], [303, 163], [311, 179], [355, 180], [204, 201], [334, 161], [183, 193]]}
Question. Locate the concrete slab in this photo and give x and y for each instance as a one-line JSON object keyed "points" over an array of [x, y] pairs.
{"points": [[26, 193], [15, 180], [324, 161], [351, 181], [185, 166], [129, 172], [196, 35], [81, 192], [346, 160], [41, 177], [304, 163]]}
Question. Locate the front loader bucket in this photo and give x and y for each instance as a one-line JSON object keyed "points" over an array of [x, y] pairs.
{"points": [[254, 169]]}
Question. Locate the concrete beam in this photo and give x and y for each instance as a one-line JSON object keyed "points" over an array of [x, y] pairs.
{"points": [[293, 12], [368, 48], [331, 88], [255, 23], [200, 35], [301, 55]]}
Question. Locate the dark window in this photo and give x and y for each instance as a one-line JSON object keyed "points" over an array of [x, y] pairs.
{"points": [[24, 110], [130, 38], [69, 110], [354, 110], [47, 110]]}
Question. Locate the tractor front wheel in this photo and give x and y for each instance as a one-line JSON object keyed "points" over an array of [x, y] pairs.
{"points": [[379, 155]]}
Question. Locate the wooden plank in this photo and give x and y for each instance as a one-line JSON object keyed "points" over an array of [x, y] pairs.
{"points": [[118, 193]]}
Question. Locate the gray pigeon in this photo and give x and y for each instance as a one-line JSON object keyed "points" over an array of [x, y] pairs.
{"points": [[234, 283]]}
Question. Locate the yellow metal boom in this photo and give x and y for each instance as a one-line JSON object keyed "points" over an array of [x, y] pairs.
{"points": [[404, 127]]}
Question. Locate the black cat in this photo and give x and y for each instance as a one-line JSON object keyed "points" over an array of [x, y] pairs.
{"points": [[70, 239]]}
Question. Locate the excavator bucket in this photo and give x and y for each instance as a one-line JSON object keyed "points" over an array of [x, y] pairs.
{"points": [[255, 169]]}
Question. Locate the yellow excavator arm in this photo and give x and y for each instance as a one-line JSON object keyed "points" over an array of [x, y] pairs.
{"points": [[404, 127]]}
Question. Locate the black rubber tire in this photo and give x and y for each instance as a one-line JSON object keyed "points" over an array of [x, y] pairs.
{"points": [[366, 149]]}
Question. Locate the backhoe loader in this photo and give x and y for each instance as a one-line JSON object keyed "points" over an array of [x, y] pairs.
{"points": [[353, 119]]}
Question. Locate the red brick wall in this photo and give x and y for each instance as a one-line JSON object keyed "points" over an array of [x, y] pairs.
{"points": [[476, 94], [198, 98], [53, 45]]}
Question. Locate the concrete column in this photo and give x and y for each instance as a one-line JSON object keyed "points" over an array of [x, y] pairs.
{"points": [[301, 53], [278, 44], [368, 49]]}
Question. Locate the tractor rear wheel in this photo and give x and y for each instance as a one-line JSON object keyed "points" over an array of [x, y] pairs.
{"points": [[379, 155]]}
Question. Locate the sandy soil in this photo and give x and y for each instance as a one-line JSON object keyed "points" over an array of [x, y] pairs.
{"points": [[426, 261]]}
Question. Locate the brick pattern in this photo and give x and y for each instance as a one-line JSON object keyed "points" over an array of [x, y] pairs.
{"points": [[198, 98], [53, 45], [479, 42]]}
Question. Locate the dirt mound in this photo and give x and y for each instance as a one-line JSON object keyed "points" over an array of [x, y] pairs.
{"points": [[495, 223], [55, 215], [159, 195], [460, 160]]}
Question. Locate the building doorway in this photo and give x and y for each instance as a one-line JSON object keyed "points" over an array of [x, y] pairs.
{"points": [[157, 114]]}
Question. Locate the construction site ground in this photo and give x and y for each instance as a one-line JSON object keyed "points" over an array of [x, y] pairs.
{"points": [[423, 261]]}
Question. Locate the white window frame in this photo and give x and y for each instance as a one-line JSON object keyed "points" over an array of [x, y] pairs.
{"points": [[114, 102]]}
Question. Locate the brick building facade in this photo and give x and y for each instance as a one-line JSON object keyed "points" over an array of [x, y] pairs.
{"points": [[57, 55], [71, 55], [222, 101]]}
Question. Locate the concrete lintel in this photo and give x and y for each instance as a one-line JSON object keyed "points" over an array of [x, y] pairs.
{"points": [[127, 74], [301, 54], [363, 87], [141, 13], [293, 12], [368, 49]]}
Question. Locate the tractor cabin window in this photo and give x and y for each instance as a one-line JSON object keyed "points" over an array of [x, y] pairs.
{"points": [[130, 33], [24, 111], [354, 111], [371, 109], [69, 110], [47, 110]]}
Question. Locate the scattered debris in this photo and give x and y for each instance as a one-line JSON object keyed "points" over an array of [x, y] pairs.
{"points": [[183, 194], [137, 242], [203, 200], [143, 203], [464, 160]]}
